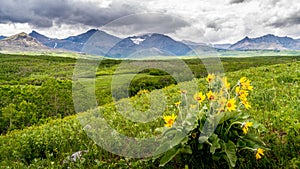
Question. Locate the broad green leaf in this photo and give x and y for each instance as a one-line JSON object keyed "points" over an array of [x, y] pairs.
{"points": [[162, 148], [215, 143], [190, 122], [177, 139], [169, 155], [230, 151], [226, 116]]}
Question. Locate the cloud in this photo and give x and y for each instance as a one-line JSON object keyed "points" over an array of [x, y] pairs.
{"points": [[44, 13], [236, 1], [214, 21], [146, 23], [213, 25], [293, 19]]}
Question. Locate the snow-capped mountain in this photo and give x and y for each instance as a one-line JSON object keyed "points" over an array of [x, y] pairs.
{"points": [[147, 45]]}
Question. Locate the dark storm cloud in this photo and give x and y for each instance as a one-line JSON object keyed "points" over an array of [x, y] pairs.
{"points": [[213, 25], [147, 23], [236, 1], [44, 13], [293, 19]]}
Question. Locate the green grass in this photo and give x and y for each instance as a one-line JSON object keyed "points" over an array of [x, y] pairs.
{"points": [[275, 103], [28, 79]]}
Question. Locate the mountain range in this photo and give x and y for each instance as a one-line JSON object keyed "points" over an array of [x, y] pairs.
{"points": [[148, 45], [98, 42], [267, 42]]}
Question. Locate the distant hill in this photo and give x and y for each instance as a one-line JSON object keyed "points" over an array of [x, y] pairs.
{"points": [[222, 46], [199, 47], [102, 42], [21, 41], [147, 45], [267, 42]]}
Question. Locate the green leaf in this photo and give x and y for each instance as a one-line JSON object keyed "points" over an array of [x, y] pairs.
{"points": [[190, 122], [200, 146], [169, 155], [226, 116], [170, 132], [162, 148], [202, 139], [186, 150], [216, 156], [230, 151], [215, 143], [179, 137]]}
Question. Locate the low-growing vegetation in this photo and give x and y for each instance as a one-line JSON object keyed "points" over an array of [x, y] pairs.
{"points": [[274, 104]]}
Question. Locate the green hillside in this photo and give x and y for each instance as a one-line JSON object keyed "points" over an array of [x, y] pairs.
{"points": [[275, 103]]}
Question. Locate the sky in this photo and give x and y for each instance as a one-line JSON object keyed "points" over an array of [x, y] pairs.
{"points": [[208, 21]]}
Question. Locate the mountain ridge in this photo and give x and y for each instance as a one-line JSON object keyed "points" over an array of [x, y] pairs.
{"points": [[148, 44], [266, 42], [21, 41], [79, 42], [98, 42]]}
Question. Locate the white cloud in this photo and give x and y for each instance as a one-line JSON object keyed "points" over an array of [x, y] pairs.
{"points": [[214, 21]]}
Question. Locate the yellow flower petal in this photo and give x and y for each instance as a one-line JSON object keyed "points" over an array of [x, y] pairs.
{"points": [[246, 103], [200, 97], [169, 120], [226, 85], [210, 78], [230, 105], [178, 103], [259, 153], [245, 126], [211, 96]]}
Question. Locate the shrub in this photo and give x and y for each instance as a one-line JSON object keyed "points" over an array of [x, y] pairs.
{"points": [[213, 130]]}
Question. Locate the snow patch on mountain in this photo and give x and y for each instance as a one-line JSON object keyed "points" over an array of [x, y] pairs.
{"points": [[137, 40]]}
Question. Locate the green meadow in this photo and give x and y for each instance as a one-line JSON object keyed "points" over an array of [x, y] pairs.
{"points": [[40, 128]]}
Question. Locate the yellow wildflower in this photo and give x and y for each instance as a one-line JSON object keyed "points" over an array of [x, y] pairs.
{"points": [[200, 97], [210, 78], [169, 120], [230, 105], [178, 103], [245, 127], [246, 103], [259, 153], [144, 91], [240, 91], [246, 83], [222, 102], [211, 96], [243, 79], [225, 83]]}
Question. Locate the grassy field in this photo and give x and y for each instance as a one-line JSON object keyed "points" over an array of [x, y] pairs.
{"points": [[27, 92]]}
